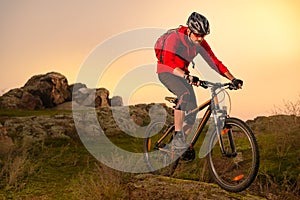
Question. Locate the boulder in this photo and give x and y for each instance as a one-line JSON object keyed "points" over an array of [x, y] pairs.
{"points": [[20, 99], [91, 97], [40, 91], [51, 90], [102, 99], [116, 101]]}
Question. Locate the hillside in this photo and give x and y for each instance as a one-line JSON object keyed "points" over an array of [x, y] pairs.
{"points": [[43, 158]]}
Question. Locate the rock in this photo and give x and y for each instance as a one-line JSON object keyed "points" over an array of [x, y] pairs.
{"points": [[84, 97], [40, 127], [75, 87], [116, 101], [30, 102], [91, 97], [20, 99], [40, 91], [50, 90], [102, 95], [112, 120]]}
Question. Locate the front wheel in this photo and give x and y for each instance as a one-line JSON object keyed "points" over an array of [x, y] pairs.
{"points": [[236, 168]]}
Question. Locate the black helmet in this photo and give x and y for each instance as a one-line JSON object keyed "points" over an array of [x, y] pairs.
{"points": [[198, 24]]}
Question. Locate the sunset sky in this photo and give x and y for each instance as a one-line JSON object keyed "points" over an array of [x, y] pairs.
{"points": [[258, 40]]}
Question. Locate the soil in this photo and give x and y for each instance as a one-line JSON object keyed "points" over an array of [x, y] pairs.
{"points": [[150, 187]]}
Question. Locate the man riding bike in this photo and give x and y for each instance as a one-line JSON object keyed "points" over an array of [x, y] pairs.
{"points": [[179, 49]]}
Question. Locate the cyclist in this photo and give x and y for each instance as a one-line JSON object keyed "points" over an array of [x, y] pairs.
{"points": [[179, 49]]}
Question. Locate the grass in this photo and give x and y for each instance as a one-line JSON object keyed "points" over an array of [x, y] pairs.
{"points": [[279, 145], [44, 168], [24, 113], [62, 168]]}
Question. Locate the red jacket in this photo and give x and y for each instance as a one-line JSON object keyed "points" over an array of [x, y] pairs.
{"points": [[178, 51]]}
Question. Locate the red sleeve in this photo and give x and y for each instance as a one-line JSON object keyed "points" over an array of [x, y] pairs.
{"points": [[210, 56]]}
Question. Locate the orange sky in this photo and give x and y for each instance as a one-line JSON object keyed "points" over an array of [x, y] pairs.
{"points": [[257, 39]]}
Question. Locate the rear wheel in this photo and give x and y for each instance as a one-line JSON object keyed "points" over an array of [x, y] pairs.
{"points": [[236, 169], [160, 156]]}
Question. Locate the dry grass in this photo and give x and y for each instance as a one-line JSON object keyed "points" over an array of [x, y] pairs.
{"points": [[102, 183], [279, 176], [16, 166]]}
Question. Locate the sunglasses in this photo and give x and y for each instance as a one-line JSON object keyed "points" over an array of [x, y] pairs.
{"points": [[199, 35]]}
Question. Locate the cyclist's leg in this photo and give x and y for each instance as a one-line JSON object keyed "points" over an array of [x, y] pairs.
{"points": [[178, 119], [192, 104], [181, 89]]}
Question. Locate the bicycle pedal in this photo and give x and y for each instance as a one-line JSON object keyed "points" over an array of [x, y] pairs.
{"points": [[189, 155]]}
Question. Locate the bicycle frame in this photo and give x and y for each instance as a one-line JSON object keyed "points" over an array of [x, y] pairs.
{"points": [[200, 127], [212, 108], [203, 121]]}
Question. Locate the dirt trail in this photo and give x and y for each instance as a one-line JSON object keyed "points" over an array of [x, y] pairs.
{"points": [[150, 187]]}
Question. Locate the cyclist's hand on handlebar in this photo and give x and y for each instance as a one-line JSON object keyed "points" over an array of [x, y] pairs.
{"points": [[193, 80], [202, 84], [237, 83]]}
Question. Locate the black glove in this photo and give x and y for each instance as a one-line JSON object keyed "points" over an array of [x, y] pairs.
{"points": [[237, 83], [192, 79], [203, 84]]}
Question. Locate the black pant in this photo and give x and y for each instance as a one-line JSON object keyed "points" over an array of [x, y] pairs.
{"points": [[183, 90]]}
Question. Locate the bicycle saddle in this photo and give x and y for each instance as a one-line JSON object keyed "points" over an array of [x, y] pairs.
{"points": [[171, 99]]}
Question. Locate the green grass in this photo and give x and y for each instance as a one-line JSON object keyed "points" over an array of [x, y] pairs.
{"points": [[278, 160], [128, 143], [54, 163], [24, 113]]}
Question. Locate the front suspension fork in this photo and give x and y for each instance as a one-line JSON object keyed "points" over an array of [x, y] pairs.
{"points": [[223, 129]]}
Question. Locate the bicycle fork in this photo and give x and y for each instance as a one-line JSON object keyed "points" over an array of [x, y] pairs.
{"points": [[221, 129]]}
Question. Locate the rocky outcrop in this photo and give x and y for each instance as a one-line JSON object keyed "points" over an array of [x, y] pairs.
{"points": [[116, 101], [40, 127], [40, 91], [20, 99], [91, 97], [112, 120], [51, 90]]}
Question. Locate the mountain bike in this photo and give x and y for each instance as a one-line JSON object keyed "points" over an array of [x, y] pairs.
{"points": [[233, 164]]}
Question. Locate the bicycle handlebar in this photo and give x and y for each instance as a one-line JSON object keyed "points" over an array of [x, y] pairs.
{"points": [[219, 85]]}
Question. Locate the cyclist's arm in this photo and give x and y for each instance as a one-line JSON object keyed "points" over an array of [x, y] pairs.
{"points": [[229, 75], [178, 72], [212, 60]]}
